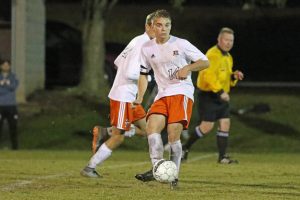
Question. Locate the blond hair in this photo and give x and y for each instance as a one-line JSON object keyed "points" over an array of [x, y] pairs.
{"points": [[149, 19], [226, 30]]}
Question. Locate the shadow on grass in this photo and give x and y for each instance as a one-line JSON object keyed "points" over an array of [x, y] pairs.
{"points": [[268, 126], [249, 117]]}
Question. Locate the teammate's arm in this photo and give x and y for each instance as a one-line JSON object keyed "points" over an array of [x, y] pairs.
{"points": [[142, 87]]}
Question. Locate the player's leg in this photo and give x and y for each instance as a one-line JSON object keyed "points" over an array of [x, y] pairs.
{"points": [[121, 118], [155, 125], [207, 114], [180, 111], [140, 127], [174, 132], [100, 135], [139, 121], [103, 153]]}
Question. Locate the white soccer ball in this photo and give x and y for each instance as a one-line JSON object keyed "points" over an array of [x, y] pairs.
{"points": [[165, 171]]}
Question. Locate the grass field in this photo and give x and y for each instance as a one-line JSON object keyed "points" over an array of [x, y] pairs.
{"points": [[55, 142], [58, 120], [55, 175]]}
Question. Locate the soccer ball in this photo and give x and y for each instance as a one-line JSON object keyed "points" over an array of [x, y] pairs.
{"points": [[165, 171]]}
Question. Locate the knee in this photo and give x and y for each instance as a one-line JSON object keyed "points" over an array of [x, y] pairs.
{"points": [[120, 138], [205, 128], [173, 137], [224, 125], [117, 138]]}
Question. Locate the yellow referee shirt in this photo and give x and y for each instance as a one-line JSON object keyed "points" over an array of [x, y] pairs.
{"points": [[217, 76]]}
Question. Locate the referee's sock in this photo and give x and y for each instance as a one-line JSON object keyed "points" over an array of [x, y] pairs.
{"points": [[222, 142], [193, 138]]}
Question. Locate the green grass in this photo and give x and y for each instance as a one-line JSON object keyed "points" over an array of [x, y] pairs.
{"points": [[55, 175], [60, 120]]}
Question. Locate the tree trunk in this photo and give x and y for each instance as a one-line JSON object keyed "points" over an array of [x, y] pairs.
{"points": [[92, 75], [92, 80]]}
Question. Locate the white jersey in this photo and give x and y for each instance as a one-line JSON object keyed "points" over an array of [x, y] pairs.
{"points": [[165, 60], [125, 84]]}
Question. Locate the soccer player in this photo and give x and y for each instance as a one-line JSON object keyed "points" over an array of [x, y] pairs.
{"points": [[172, 60], [214, 86], [122, 94]]}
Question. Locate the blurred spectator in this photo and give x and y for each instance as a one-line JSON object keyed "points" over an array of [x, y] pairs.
{"points": [[8, 105]]}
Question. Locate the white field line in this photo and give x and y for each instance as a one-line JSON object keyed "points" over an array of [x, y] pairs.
{"points": [[200, 158], [24, 183]]}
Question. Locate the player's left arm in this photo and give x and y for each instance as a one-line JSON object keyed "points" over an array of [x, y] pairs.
{"points": [[193, 67], [192, 53]]}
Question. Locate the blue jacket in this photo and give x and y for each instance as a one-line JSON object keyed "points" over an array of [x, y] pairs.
{"points": [[8, 91]]}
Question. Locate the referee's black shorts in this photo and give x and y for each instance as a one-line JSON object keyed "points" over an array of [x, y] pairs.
{"points": [[211, 108]]}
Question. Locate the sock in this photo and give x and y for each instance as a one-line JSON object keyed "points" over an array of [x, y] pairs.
{"points": [[131, 131], [100, 156], [109, 130], [222, 141], [156, 148], [193, 138], [176, 153]]}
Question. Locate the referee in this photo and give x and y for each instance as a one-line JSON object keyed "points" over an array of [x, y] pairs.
{"points": [[214, 85]]}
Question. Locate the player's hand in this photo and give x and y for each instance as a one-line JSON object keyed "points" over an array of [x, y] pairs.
{"points": [[182, 73], [225, 96], [238, 75], [136, 102]]}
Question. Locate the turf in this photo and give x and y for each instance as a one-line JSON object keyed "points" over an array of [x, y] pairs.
{"points": [[55, 175], [59, 120]]}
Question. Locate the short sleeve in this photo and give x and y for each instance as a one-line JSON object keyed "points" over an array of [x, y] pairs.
{"points": [[192, 52]]}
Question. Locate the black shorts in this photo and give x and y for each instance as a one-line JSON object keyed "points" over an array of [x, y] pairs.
{"points": [[211, 108]]}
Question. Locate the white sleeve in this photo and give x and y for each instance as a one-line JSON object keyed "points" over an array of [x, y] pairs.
{"points": [[192, 52], [129, 59], [123, 56]]}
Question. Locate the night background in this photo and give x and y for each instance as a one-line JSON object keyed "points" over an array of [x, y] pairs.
{"points": [[266, 35]]}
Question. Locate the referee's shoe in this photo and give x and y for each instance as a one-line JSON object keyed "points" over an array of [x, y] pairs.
{"points": [[227, 160]]}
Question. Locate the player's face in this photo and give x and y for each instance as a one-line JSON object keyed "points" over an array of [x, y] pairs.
{"points": [[162, 28], [225, 41]]}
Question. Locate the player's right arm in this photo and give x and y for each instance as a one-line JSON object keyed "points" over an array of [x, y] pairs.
{"points": [[142, 87], [143, 80]]}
